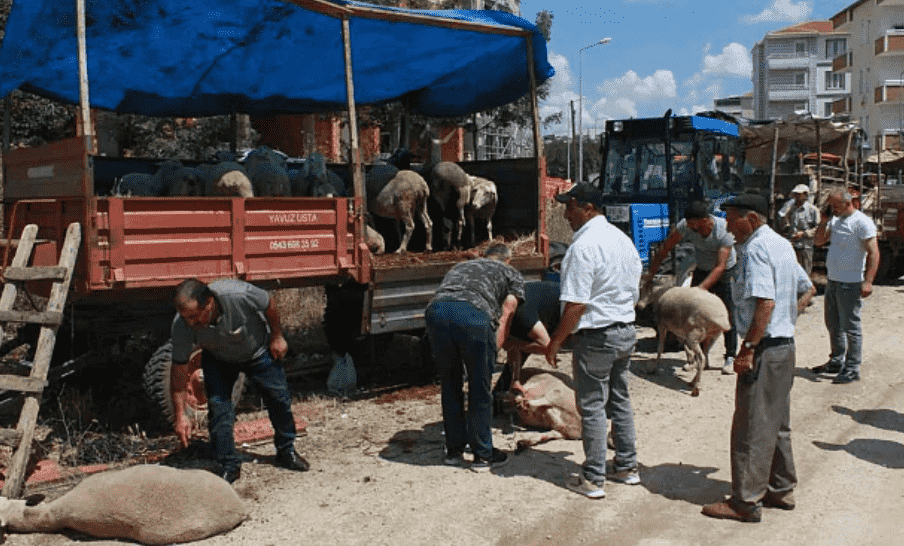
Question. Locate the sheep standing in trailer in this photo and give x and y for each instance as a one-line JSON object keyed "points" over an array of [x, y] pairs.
{"points": [[399, 195], [314, 179], [138, 185], [481, 205], [268, 173], [177, 180], [225, 179]]}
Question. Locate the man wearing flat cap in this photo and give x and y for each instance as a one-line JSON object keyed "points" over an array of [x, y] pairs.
{"points": [[798, 220], [769, 289], [599, 289]]}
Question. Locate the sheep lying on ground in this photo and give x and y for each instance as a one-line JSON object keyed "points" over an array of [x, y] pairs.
{"points": [[696, 317], [150, 504], [268, 173], [225, 179], [482, 205], [399, 195]]}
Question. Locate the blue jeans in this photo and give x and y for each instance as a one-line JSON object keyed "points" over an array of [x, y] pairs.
{"points": [[270, 380], [842, 315], [600, 368], [463, 338]]}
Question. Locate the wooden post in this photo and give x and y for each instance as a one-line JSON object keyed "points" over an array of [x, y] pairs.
{"points": [[877, 209], [538, 148], [84, 102], [818, 156], [847, 151], [354, 152], [772, 176]]}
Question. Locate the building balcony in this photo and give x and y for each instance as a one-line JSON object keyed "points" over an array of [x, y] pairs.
{"points": [[788, 92], [843, 62], [891, 43], [890, 92], [841, 106], [781, 62], [890, 3]]}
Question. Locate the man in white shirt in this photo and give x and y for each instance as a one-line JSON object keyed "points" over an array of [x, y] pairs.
{"points": [[769, 289], [599, 289], [853, 245]]}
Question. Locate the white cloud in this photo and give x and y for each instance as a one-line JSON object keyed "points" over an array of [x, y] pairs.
{"points": [[734, 60], [659, 85], [781, 11]]}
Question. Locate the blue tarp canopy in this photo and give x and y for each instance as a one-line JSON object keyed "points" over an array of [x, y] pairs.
{"points": [[211, 57]]}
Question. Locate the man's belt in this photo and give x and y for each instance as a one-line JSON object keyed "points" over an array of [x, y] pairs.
{"points": [[768, 342]]}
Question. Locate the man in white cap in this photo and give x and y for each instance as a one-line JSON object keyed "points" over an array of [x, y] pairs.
{"points": [[798, 220]]}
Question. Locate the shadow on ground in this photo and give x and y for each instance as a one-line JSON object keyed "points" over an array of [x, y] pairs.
{"points": [[884, 453]]}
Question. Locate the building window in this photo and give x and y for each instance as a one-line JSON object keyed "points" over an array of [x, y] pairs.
{"points": [[800, 48], [800, 78], [828, 109], [834, 80], [835, 47]]}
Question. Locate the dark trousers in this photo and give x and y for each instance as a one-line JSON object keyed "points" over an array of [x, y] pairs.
{"points": [[761, 457], [722, 288], [463, 338], [270, 380]]}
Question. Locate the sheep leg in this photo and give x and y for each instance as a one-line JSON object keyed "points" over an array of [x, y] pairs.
{"points": [[409, 229], [428, 225], [461, 226], [698, 360], [661, 332], [490, 228], [706, 346]]}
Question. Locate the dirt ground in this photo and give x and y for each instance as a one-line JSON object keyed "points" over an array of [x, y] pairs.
{"points": [[377, 477]]}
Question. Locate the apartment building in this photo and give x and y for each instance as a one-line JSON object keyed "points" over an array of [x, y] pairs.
{"points": [[875, 61], [739, 106], [793, 70]]}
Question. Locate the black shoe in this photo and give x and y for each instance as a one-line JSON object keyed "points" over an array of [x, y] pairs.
{"points": [[231, 474], [828, 367], [497, 459], [844, 378], [291, 460]]}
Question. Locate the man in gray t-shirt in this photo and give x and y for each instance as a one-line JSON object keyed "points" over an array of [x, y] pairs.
{"points": [[237, 328], [715, 254], [467, 320]]}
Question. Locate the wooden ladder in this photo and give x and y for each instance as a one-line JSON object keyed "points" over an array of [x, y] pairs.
{"points": [[49, 319]]}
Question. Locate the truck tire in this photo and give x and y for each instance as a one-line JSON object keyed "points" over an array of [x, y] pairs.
{"points": [[158, 385]]}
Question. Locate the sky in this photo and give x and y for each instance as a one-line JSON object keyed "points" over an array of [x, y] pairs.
{"points": [[678, 54]]}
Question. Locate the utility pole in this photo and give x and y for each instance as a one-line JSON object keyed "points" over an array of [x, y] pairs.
{"points": [[571, 144]]}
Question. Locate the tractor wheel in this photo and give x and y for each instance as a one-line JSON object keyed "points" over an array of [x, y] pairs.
{"points": [[159, 387]]}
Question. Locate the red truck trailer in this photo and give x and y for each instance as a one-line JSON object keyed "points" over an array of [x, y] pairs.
{"points": [[136, 249]]}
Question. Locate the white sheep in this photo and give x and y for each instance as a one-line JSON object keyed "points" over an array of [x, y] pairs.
{"points": [[225, 179], [694, 316], [150, 504], [450, 186], [481, 204], [399, 195], [268, 173]]}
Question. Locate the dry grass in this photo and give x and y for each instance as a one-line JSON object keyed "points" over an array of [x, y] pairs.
{"points": [[557, 228]]}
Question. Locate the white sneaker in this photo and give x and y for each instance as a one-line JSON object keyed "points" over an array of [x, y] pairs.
{"points": [[728, 368], [582, 486]]}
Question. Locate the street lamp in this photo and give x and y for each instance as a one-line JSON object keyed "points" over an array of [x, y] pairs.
{"points": [[581, 110], [901, 111]]}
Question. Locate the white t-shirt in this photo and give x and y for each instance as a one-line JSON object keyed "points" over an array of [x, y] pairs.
{"points": [[601, 270], [847, 254]]}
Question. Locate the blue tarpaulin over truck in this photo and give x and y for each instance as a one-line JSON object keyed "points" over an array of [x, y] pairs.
{"points": [[212, 57]]}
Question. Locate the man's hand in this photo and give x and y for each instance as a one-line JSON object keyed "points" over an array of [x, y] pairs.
{"points": [[797, 235], [743, 363], [866, 289], [278, 346], [551, 351], [183, 428]]}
